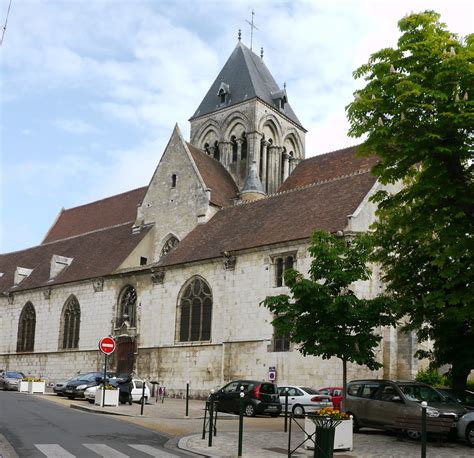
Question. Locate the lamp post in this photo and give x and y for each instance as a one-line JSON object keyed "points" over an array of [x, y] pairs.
{"points": [[187, 399], [241, 419]]}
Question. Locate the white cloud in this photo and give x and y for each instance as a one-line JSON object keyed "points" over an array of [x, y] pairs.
{"points": [[74, 126]]}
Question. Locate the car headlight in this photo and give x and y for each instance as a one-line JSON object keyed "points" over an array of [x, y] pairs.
{"points": [[81, 387], [432, 412]]}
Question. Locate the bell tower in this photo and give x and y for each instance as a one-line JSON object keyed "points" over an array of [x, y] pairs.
{"points": [[245, 117]]}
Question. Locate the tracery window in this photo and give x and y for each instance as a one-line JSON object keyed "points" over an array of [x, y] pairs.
{"points": [[70, 324], [26, 329], [282, 264], [195, 311], [171, 243], [127, 307]]}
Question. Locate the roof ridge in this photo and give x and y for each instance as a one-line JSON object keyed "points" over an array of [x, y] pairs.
{"points": [[299, 188], [105, 198]]}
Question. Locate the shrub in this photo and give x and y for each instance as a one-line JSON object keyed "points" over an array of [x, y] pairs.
{"points": [[431, 377]]}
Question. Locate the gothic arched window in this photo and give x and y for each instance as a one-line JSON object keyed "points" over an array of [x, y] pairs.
{"points": [[195, 311], [234, 148], [217, 153], [70, 324], [127, 307], [26, 329], [243, 153], [171, 243]]}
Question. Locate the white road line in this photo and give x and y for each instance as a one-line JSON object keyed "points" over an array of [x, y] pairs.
{"points": [[54, 451], [105, 451], [149, 450]]}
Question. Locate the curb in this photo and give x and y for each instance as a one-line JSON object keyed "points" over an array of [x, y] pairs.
{"points": [[106, 412], [183, 445]]}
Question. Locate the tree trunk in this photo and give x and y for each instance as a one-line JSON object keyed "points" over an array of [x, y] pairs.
{"points": [[459, 376], [344, 385]]}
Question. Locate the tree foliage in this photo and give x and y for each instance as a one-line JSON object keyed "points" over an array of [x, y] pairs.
{"points": [[323, 314], [417, 112]]}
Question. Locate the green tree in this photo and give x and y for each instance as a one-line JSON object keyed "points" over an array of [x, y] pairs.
{"points": [[417, 112], [323, 315]]}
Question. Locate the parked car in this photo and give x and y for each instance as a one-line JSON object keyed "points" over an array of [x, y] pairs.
{"points": [[378, 403], [302, 399], [259, 398], [336, 395], [133, 391], [465, 397], [59, 387], [465, 428], [76, 386], [9, 380]]}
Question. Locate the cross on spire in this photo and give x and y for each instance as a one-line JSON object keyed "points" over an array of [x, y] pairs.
{"points": [[252, 26]]}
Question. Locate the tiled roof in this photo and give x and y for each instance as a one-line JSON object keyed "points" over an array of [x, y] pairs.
{"points": [[217, 178], [283, 217], [247, 77], [94, 254], [328, 166], [118, 209]]}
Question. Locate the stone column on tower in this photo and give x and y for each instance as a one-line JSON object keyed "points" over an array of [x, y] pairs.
{"points": [[286, 165], [263, 175], [226, 153], [273, 168], [240, 174], [253, 145]]}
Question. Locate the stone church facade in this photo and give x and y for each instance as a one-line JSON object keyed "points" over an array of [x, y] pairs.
{"points": [[176, 270]]}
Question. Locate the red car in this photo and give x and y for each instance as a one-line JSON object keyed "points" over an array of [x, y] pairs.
{"points": [[336, 395]]}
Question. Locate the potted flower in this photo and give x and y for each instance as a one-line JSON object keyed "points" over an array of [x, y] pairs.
{"points": [[35, 385], [333, 426], [111, 396]]}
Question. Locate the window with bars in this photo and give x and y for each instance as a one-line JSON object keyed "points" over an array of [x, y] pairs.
{"points": [[127, 307], [70, 324], [195, 311], [26, 329], [281, 342], [282, 264]]}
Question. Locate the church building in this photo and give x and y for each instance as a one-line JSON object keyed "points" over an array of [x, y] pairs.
{"points": [[176, 271]]}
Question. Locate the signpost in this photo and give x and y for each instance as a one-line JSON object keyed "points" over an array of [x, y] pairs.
{"points": [[107, 347]]}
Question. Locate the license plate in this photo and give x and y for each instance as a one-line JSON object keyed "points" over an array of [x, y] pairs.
{"points": [[271, 407], [68, 391]]}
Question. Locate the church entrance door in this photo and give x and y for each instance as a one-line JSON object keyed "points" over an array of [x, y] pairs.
{"points": [[125, 357]]}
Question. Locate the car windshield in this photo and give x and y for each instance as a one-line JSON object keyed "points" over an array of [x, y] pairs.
{"points": [[13, 375], [420, 393], [310, 390]]}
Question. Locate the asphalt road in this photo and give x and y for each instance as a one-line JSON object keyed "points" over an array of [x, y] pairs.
{"points": [[38, 428]]}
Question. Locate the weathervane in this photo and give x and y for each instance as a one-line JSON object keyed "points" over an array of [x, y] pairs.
{"points": [[252, 26]]}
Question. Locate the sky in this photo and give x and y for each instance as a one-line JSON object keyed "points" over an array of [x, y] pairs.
{"points": [[90, 90]]}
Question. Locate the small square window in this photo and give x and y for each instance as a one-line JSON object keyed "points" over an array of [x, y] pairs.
{"points": [[173, 180]]}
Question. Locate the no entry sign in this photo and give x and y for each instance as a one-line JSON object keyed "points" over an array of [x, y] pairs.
{"points": [[107, 345]]}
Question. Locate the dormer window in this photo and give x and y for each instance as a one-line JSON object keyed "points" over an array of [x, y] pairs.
{"points": [[20, 274], [280, 99], [174, 177], [58, 264], [222, 93]]}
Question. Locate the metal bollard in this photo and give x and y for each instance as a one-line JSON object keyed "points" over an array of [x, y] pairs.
{"points": [[187, 399], [241, 419], [286, 410], [142, 401], [423, 429], [211, 422]]}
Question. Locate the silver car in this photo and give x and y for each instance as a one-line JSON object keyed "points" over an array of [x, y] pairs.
{"points": [[302, 399], [9, 380], [378, 403], [465, 428]]}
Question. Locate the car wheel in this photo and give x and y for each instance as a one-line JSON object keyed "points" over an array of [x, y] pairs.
{"points": [[355, 423], [250, 410], [70, 397], [470, 434], [413, 435], [298, 411], [91, 401]]}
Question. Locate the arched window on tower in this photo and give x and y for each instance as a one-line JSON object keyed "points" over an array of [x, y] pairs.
{"points": [[195, 311], [26, 329], [243, 154], [206, 148], [217, 153], [222, 96], [127, 307], [171, 243], [70, 324], [234, 148]]}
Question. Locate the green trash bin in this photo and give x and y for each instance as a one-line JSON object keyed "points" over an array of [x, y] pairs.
{"points": [[324, 441]]}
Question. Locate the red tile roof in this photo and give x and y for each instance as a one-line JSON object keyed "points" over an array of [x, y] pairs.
{"points": [[328, 166], [94, 254], [107, 212], [217, 178], [283, 217]]}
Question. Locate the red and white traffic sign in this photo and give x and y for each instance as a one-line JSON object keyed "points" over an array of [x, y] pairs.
{"points": [[107, 345]]}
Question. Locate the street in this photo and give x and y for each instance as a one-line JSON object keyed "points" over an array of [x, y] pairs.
{"points": [[38, 428]]}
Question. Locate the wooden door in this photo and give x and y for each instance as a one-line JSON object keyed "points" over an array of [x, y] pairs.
{"points": [[125, 357]]}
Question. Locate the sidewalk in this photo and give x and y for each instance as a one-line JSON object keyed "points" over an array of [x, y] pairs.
{"points": [[263, 436]]}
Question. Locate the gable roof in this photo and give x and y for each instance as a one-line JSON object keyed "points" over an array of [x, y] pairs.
{"points": [[94, 254], [247, 77], [327, 167], [108, 212], [283, 217], [215, 176]]}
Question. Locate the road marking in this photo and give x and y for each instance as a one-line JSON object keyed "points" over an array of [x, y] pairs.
{"points": [[54, 451], [105, 451], [149, 450]]}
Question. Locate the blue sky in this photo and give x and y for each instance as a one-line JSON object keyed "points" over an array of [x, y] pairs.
{"points": [[90, 90]]}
